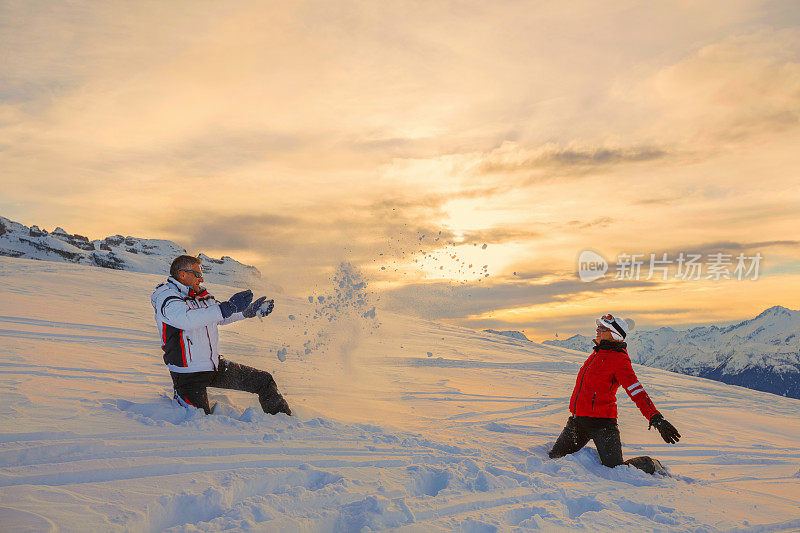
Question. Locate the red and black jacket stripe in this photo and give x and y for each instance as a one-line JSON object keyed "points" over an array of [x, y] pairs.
{"points": [[173, 345]]}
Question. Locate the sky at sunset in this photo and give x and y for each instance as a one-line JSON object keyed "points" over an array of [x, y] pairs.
{"points": [[404, 136]]}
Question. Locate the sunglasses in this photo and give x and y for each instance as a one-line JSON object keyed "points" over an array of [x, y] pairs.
{"points": [[196, 273], [603, 328]]}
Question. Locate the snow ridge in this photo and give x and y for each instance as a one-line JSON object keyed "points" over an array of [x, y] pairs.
{"points": [[510, 333], [116, 252]]}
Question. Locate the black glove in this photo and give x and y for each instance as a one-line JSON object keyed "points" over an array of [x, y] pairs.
{"points": [[238, 302], [667, 430], [267, 308], [250, 312]]}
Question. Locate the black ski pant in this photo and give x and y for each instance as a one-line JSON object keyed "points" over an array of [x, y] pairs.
{"points": [[580, 429], [190, 388]]}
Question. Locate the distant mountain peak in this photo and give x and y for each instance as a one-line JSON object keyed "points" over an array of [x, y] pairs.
{"points": [[513, 334], [774, 310]]}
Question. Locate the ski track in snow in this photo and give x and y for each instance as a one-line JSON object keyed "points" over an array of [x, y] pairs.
{"points": [[385, 437]]}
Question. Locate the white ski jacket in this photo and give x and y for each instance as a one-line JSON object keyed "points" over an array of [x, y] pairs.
{"points": [[187, 323]]}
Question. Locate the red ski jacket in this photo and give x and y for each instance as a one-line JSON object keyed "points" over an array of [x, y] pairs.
{"points": [[595, 392]]}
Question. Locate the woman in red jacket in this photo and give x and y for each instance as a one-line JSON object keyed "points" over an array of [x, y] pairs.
{"points": [[594, 400]]}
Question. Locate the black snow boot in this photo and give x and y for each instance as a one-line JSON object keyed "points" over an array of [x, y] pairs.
{"points": [[647, 464], [273, 402]]}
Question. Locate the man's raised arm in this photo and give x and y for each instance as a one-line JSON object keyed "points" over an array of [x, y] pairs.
{"points": [[177, 313]]}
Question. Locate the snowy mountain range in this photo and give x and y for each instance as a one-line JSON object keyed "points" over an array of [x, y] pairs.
{"points": [[117, 252], [762, 353]]}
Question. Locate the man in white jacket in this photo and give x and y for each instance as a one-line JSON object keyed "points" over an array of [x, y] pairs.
{"points": [[187, 317]]}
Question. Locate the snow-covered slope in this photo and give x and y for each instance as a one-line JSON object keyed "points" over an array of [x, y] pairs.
{"points": [[117, 252], [385, 436], [762, 353]]}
